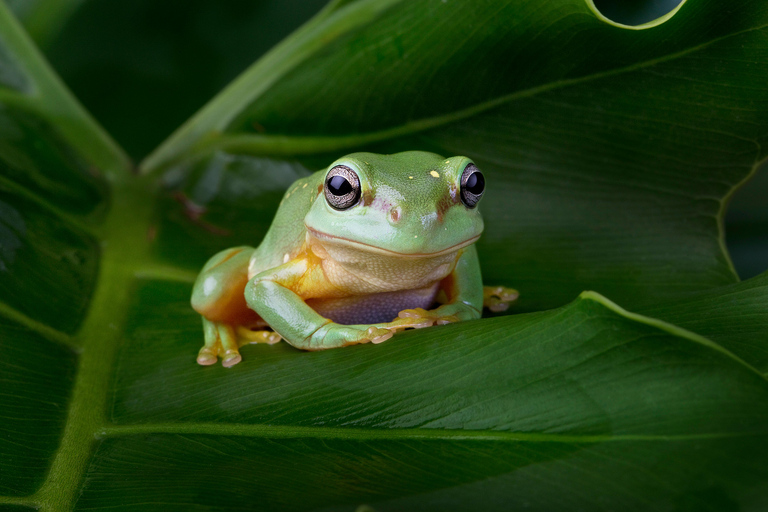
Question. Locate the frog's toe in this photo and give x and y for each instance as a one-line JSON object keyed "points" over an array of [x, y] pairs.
{"points": [[413, 313], [378, 335], [449, 319], [246, 335], [220, 340], [416, 318], [497, 298], [272, 338], [498, 306], [206, 356], [231, 358]]}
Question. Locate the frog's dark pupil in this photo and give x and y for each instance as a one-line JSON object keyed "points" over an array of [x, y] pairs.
{"points": [[339, 186], [475, 183]]}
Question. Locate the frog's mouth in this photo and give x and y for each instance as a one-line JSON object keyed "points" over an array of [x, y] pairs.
{"points": [[324, 237]]}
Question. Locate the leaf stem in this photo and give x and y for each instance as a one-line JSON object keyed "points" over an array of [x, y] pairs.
{"points": [[123, 232], [49, 97]]}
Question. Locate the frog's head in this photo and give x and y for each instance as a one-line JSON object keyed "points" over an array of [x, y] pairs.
{"points": [[411, 203]]}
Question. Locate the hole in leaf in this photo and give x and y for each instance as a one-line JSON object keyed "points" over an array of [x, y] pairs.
{"points": [[635, 12], [746, 226]]}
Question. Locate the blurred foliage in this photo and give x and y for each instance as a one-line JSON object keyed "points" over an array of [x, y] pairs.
{"points": [[143, 67]]}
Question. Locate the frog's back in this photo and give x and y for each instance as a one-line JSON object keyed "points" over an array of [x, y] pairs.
{"points": [[287, 233]]}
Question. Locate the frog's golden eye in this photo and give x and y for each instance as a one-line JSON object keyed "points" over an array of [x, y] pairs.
{"points": [[472, 186], [342, 187]]}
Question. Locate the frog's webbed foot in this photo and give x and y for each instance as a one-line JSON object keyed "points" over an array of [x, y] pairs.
{"points": [[225, 340], [332, 335], [419, 318], [497, 298], [246, 336], [377, 334], [220, 340]]}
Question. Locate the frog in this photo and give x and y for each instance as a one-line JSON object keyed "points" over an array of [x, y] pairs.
{"points": [[368, 247]]}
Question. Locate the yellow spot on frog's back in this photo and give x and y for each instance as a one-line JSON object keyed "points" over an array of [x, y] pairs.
{"points": [[304, 186], [415, 236], [410, 177], [434, 174], [286, 257]]}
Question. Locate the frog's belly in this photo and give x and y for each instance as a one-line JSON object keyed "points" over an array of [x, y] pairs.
{"points": [[373, 308]]}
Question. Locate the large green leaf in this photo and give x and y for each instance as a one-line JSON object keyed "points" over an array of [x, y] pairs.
{"points": [[609, 172], [610, 165]]}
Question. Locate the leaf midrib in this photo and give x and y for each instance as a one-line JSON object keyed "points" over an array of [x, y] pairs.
{"points": [[365, 434], [125, 245]]}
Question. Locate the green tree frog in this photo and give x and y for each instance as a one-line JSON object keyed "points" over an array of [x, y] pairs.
{"points": [[356, 252]]}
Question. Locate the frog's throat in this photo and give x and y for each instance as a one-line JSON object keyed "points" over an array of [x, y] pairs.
{"points": [[324, 237]]}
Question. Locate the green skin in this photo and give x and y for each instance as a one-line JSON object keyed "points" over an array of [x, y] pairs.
{"points": [[409, 231]]}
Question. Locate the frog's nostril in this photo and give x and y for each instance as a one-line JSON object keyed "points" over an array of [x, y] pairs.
{"points": [[395, 214]]}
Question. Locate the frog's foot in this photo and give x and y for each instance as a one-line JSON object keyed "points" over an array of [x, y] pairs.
{"points": [[378, 335], [220, 340], [419, 318], [332, 335], [361, 334], [246, 336], [497, 298]]}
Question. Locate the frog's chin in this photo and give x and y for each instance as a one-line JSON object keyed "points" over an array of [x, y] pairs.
{"points": [[325, 238]]}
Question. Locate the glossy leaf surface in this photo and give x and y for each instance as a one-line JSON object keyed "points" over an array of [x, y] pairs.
{"points": [[610, 153], [608, 173]]}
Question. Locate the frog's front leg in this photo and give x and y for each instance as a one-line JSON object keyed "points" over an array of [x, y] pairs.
{"points": [[271, 295], [464, 291]]}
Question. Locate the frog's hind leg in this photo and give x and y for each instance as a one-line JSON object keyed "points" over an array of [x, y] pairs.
{"points": [[218, 296], [220, 339], [208, 354]]}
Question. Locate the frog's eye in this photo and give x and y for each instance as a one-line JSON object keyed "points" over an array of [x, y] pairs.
{"points": [[342, 187], [472, 186]]}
